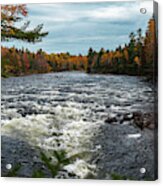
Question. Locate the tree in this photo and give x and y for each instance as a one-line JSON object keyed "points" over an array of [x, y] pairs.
{"points": [[90, 59], [150, 48], [11, 14], [131, 48], [150, 41], [102, 51]]}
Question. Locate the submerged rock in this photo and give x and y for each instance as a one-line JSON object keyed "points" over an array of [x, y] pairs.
{"points": [[111, 120], [144, 120], [140, 119], [77, 104]]}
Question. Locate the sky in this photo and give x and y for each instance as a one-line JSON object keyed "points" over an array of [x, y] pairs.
{"points": [[75, 27]]}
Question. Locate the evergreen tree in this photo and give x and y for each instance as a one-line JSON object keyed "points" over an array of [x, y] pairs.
{"points": [[90, 59], [11, 14]]}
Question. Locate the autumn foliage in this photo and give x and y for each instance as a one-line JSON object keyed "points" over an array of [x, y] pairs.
{"points": [[138, 57], [10, 15]]}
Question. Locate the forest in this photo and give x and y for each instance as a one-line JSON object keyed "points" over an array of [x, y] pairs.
{"points": [[82, 124], [138, 57]]}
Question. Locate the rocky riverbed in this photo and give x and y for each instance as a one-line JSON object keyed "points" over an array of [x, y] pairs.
{"points": [[104, 124]]}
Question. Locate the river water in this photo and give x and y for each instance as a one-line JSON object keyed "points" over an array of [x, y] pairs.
{"points": [[67, 111]]}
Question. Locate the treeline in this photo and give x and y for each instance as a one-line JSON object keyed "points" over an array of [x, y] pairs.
{"points": [[138, 57], [23, 62]]}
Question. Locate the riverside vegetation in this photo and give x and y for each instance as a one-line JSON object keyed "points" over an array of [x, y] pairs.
{"points": [[138, 57], [68, 126]]}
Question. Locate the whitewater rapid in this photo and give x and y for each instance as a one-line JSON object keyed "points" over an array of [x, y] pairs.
{"points": [[64, 111]]}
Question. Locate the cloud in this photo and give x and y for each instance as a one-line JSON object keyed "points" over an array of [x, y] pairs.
{"points": [[61, 12], [77, 26]]}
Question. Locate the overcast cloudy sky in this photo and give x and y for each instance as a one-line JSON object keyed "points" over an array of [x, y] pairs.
{"points": [[74, 27]]}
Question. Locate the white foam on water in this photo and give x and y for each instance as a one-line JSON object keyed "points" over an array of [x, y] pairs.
{"points": [[77, 103], [80, 168], [66, 126], [134, 136]]}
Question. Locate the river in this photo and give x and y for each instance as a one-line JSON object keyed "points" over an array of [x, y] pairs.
{"points": [[69, 111]]}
